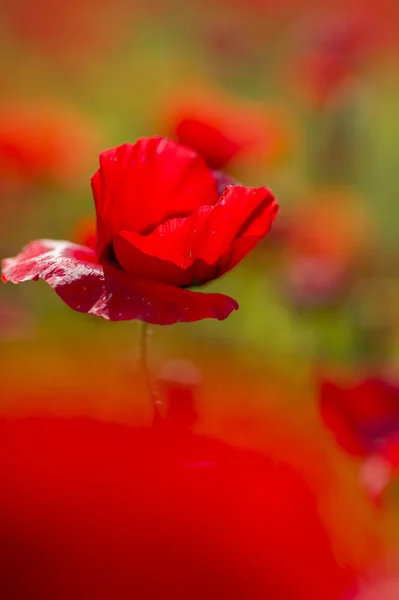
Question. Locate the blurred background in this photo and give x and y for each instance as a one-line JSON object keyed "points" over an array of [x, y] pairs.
{"points": [[298, 95]]}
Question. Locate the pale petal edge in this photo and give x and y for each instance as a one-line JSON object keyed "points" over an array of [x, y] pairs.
{"points": [[87, 287]]}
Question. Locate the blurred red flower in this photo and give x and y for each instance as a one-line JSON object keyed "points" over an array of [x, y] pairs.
{"points": [[165, 222], [41, 142], [223, 129], [364, 419], [336, 44], [100, 510], [333, 51], [326, 238], [73, 33], [363, 415]]}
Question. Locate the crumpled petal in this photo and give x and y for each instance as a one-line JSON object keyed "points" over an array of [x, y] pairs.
{"points": [[141, 185], [204, 245], [71, 270]]}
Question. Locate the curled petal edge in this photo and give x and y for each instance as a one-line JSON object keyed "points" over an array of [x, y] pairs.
{"points": [[106, 292]]}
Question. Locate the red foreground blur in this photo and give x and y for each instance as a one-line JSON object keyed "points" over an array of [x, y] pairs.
{"points": [[94, 510]]}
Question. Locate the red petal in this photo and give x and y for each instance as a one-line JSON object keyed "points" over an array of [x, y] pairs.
{"points": [[265, 210], [332, 405], [208, 140], [108, 293], [362, 416], [139, 186], [203, 246], [240, 219], [137, 254]]}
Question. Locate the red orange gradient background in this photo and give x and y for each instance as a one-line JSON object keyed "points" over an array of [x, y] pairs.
{"points": [[244, 489]]}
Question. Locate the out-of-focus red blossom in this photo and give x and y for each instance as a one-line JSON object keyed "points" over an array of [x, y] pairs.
{"points": [[335, 50], [234, 43], [41, 142], [99, 510], [363, 415], [331, 222], [378, 23], [337, 44], [380, 20], [73, 33], [314, 281], [326, 237], [165, 222], [239, 406], [225, 129]]}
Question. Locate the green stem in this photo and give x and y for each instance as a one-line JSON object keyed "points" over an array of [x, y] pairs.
{"points": [[145, 338]]}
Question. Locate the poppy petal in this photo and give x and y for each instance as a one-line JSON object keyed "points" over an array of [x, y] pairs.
{"points": [[106, 292], [141, 185], [239, 220], [141, 256], [259, 222], [208, 140], [204, 245]]}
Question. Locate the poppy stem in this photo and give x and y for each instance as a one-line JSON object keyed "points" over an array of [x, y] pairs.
{"points": [[156, 403]]}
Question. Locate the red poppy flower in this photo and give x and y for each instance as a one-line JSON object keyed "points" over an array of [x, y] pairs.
{"points": [[43, 142], [364, 416], [222, 129], [163, 224], [101, 510], [364, 419]]}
